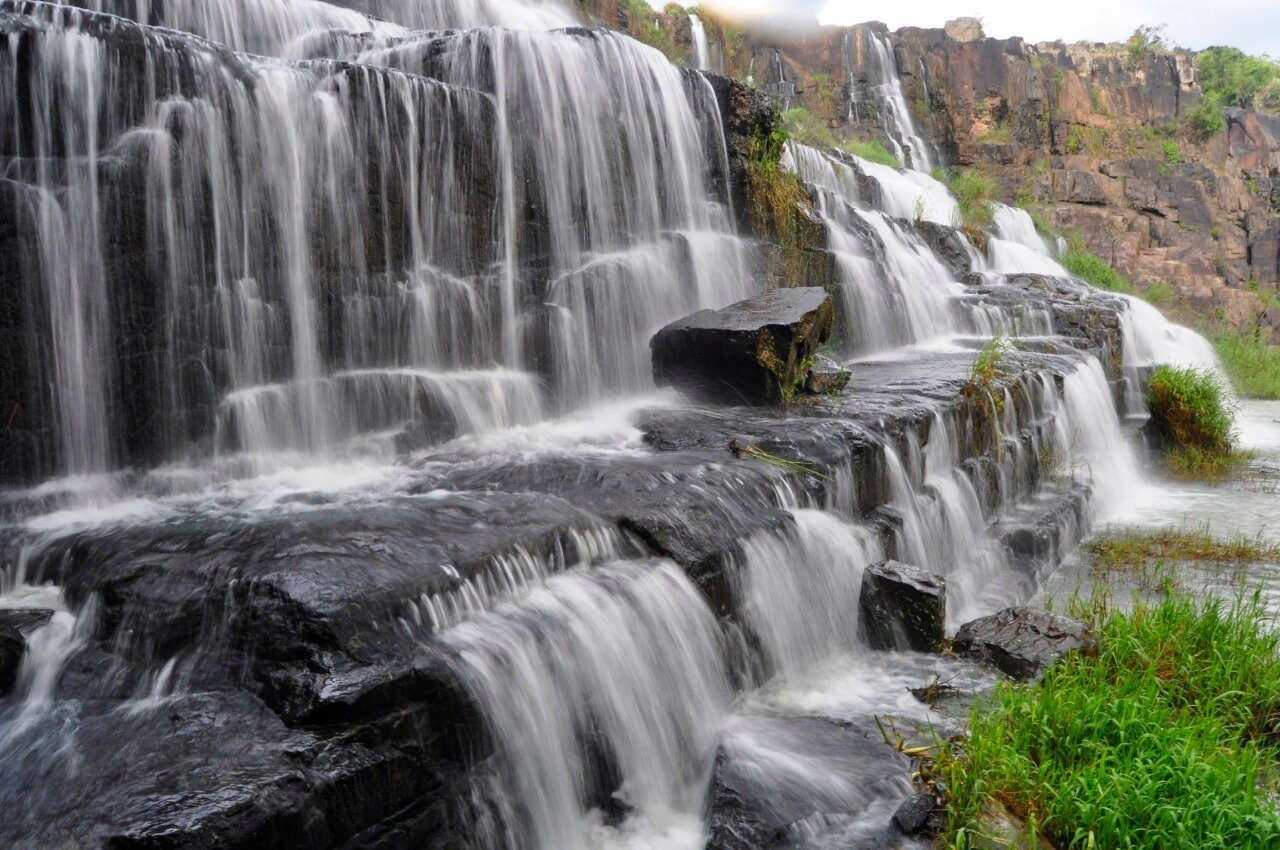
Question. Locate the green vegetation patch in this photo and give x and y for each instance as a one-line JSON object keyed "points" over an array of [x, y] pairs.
{"points": [[1125, 549], [779, 209], [809, 129], [1166, 737], [1095, 271], [1231, 77], [1252, 364], [1193, 415], [975, 193]]}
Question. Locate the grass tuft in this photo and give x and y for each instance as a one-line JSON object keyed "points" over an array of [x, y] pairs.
{"points": [[1095, 271], [1192, 413], [1165, 738], [1134, 548]]}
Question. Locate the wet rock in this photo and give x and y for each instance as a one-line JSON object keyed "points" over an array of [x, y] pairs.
{"points": [[826, 377], [903, 607], [758, 351], [1023, 642], [912, 817], [15, 625]]}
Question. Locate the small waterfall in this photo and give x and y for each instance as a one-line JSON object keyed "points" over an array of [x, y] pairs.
{"points": [[891, 104], [1016, 246], [701, 50], [620, 665], [800, 589]]}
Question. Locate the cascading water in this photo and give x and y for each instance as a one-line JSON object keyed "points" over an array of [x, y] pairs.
{"points": [[439, 225], [894, 115], [701, 50]]}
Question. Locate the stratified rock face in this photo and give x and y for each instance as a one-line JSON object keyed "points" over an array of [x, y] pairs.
{"points": [[1023, 642], [15, 625], [903, 607], [758, 351]]}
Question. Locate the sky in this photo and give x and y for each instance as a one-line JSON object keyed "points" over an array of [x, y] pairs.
{"points": [[1251, 25]]}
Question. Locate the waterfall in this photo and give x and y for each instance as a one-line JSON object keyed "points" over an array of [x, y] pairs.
{"points": [[1016, 246], [701, 51], [318, 259], [620, 665], [891, 104]]}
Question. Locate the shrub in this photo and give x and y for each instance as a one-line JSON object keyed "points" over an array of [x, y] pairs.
{"points": [[1096, 271], [1233, 78], [1158, 293], [1165, 738], [1252, 364], [975, 193], [1172, 154], [1192, 414], [1205, 118]]}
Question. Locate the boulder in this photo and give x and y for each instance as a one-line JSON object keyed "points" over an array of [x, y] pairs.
{"points": [[1023, 642], [758, 351], [903, 607], [15, 625]]}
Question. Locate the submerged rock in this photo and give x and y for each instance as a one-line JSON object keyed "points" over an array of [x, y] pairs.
{"points": [[912, 817], [903, 607], [15, 625], [758, 351], [1023, 642]]}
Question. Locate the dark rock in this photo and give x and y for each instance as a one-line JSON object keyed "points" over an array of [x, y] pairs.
{"points": [[912, 816], [903, 607], [1023, 642], [15, 625], [754, 352], [826, 377]]}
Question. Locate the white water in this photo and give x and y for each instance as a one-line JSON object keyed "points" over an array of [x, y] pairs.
{"points": [[701, 51], [895, 116], [1016, 246], [628, 653]]}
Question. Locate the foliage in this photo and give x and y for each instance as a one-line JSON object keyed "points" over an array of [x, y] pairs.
{"points": [[874, 151], [1191, 411], [1172, 154], [1164, 738], [989, 364], [1252, 364], [731, 37], [778, 205], [1231, 77], [1205, 118], [975, 193], [1158, 294], [1095, 271], [1146, 39]]}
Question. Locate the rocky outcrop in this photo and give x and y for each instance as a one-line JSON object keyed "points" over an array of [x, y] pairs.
{"points": [[758, 351], [903, 607], [1023, 642]]}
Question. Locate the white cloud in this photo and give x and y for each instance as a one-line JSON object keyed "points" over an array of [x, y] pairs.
{"points": [[1251, 25]]}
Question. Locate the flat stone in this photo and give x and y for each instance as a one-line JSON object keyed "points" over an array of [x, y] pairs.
{"points": [[1023, 642], [903, 607], [755, 352]]}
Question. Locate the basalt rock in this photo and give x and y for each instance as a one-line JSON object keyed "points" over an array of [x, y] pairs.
{"points": [[15, 625], [1023, 642], [826, 377], [903, 607], [758, 351]]}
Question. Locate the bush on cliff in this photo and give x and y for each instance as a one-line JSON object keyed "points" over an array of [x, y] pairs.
{"points": [[975, 193], [1231, 77], [1167, 737], [1191, 413]]}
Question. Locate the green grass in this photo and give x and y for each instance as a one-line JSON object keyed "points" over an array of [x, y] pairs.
{"points": [[1252, 364], [1193, 415], [1096, 271], [1158, 294], [1134, 548], [809, 129], [975, 193], [1166, 738]]}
